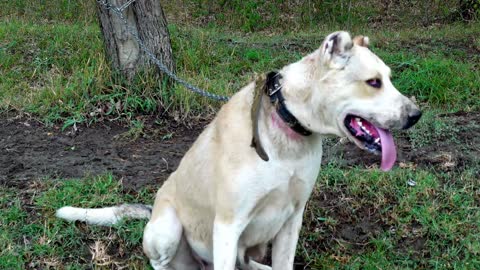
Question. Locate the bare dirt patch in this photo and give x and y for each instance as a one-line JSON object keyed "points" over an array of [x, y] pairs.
{"points": [[30, 151]]}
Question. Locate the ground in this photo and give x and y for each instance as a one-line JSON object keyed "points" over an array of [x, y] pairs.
{"points": [[32, 151]]}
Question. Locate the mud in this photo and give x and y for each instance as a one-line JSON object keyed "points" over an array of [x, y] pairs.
{"points": [[31, 151]]}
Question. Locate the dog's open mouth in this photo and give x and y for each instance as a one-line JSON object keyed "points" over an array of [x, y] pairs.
{"points": [[373, 139]]}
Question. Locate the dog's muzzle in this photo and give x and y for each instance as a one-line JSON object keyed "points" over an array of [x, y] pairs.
{"points": [[412, 119]]}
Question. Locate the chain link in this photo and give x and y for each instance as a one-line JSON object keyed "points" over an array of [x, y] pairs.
{"points": [[126, 5], [161, 66]]}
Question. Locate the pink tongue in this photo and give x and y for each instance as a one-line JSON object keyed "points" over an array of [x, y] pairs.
{"points": [[389, 152]]}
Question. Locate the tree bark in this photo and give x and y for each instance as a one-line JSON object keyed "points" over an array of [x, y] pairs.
{"points": [[147, 20]]}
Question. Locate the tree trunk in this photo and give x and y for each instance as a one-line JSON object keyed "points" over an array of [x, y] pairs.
{"points": [[147, 20]]}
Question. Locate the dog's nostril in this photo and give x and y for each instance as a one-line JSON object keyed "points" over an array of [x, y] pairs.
{"points": [[413, 119], [416, 116]]}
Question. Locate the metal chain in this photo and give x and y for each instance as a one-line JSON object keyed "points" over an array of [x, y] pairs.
{"points": [[126, 5], [161, 66]]}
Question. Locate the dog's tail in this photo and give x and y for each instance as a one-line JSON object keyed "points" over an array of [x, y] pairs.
{"points": [[105, 216]]}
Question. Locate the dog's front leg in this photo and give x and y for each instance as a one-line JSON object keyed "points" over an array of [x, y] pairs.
{"points": [[285, 243], [225, 243]]}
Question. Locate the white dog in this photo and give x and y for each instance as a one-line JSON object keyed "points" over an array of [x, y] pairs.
{"points": [[246, 179]]}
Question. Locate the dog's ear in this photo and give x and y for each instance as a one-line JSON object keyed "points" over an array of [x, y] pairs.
{"points": [[361, 41], [336, 49]]}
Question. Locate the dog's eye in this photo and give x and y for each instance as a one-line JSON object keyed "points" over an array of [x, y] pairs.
{"points": [[375, 83]]}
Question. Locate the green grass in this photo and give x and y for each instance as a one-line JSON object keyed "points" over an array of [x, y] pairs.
{"points": [[288, 16], [432, 225], [431, 129], [31, 236], [434, 79], [58, 71]]}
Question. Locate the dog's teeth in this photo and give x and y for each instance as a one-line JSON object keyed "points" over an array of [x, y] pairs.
{"points": [[377, 140]]}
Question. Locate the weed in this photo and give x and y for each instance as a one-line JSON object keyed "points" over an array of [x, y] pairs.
{"points": [[167, 136], [137, 130]]}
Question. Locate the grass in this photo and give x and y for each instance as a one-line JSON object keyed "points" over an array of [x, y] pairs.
{"points": [[58, 72], [53, 68], [432, 225], [431, 128], [33, 238]]}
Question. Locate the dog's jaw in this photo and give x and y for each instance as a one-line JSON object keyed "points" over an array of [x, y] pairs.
{"points": [[371, 137]]}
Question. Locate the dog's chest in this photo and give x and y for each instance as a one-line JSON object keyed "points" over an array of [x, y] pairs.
{"points": [[291, 190]]}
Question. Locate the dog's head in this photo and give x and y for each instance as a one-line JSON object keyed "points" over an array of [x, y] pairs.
{"points": [[343, 88]]}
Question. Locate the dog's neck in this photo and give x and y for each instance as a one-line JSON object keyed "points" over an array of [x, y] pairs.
{"points": [[280, 139], [274, 89], [270, 102], [279, 123]]}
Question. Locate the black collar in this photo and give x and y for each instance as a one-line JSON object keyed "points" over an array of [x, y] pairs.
{"points": [[273, 90]]}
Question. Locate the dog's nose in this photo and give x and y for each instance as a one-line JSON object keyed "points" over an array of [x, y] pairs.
{"points": [[413, 119]]}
